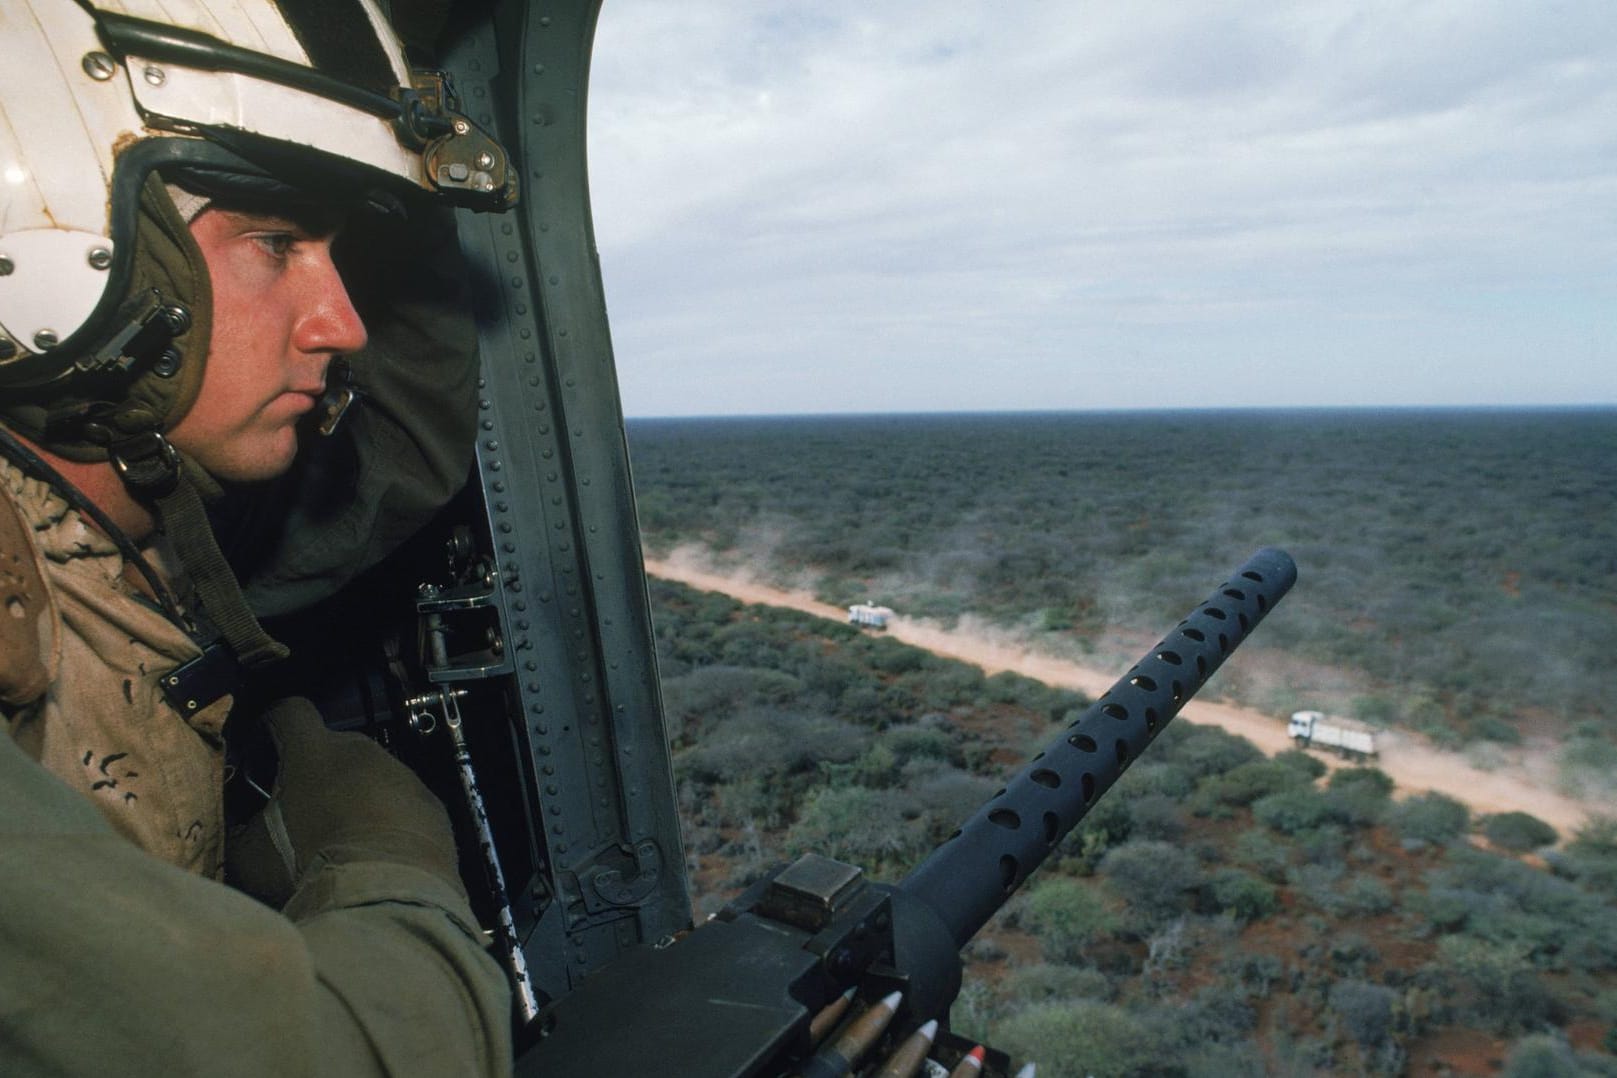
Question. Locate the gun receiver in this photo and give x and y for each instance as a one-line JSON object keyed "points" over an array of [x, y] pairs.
{"points": [[733, 999]]}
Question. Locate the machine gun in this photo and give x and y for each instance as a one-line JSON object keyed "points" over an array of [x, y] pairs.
{"points": [[526, 690], [734, 998]]}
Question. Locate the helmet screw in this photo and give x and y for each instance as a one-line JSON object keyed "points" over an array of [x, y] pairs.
{"points": [[46, 339], [6, 266], [165, 365], [99, 66], [461, 127], [100, 258], [155, 75], [485, 160], [177, 319]]}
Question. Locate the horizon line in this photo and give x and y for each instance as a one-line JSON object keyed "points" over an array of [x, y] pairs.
{"points": [[1177, 410]]}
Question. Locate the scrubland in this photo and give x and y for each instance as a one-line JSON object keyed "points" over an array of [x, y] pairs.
{"points": [[1458, 568], [1218, 913]]}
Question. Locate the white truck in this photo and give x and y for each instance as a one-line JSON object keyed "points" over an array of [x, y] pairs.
{"points": [[869, 616], [1311, 729]]}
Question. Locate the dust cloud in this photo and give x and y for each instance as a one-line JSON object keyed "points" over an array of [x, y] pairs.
{"points": [[1523, 781]]}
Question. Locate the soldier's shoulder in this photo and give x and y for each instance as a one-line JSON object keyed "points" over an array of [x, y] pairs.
{"points": [[29, 640]]}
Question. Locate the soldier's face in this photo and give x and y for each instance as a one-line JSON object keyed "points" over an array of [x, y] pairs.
{"points": [[280, 315]]}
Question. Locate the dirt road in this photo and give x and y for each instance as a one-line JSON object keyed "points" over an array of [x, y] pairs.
{"points": [[1414, 766]]}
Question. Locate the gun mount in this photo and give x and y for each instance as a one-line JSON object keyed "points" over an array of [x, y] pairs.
{"points": [[733, 999]]}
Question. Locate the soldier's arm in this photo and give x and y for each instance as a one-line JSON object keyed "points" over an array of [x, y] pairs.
{"points": [[116, 961]]}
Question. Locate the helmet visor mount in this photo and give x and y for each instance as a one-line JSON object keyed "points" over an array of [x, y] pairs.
{"points": [[436, 147]]}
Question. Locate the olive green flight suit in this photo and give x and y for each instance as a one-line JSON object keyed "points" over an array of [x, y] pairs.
{"points": [[120, 954]]}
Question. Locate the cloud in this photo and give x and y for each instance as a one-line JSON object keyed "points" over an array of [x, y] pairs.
{"points": [[911, 206]]}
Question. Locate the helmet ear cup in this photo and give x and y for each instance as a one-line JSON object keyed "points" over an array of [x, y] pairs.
{"points": [[154, 395], [168, 259]]}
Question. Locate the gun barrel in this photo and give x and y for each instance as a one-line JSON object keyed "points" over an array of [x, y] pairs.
{"points": [[970, 876]]}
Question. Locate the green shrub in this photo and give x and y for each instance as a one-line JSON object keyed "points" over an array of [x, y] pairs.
{"points": [[1504, 902], [1066, 915], [1316, 884], [939, 797], [1152, 878], [1078, 1039], [1495, 984], [1246, 783], [1324, 845], [1591, 856], [1364, 896], [1431, 818], [1293, 812], [1261, 852], [1365, 1011], [1155, 816], [1303, 762], [1541, 1055], [1494, 728], [1152, 775], [1367, 778], [768, 741], [711, 693], [1207, 750], [922, 740], [1351, 954], [1358, 796], [1518, 831], [856, 824], [1241, 895], [1256, 972], [1444, 909]]}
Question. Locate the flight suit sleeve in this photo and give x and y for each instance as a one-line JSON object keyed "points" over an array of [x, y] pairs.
{"points": [[119, 963]]}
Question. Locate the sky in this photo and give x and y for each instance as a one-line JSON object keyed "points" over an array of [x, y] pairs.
{"points": [[948, 206]]}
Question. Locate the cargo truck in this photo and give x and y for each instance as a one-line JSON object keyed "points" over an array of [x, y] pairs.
{"points": [[869, 616], [1312, 729]]}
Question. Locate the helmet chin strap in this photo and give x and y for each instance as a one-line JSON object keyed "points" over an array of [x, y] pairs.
{"points": [[159, 476]]}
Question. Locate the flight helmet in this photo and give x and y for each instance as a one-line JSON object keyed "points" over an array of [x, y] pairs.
{"points": [[103, 295]]}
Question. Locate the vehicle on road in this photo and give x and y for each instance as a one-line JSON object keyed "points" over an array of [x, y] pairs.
{"points": [[1313, 729], [869, 616]]}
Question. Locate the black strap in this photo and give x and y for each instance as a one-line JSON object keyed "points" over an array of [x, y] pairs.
{"points": [[150, 467]]}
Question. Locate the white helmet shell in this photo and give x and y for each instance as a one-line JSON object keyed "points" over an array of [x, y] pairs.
{"points": [[57, 140]]}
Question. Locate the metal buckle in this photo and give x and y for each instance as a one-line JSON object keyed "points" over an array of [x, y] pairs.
{"points": [[136, 468]]}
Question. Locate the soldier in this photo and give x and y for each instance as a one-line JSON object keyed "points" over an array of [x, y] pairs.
{"points": [[171, 313]]}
